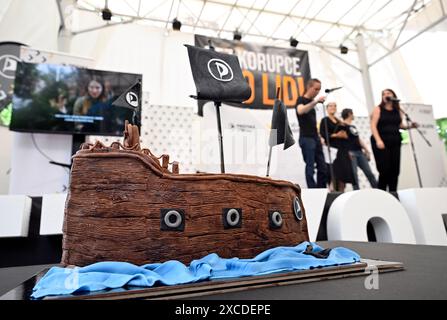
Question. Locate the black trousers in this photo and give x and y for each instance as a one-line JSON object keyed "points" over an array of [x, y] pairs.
{"points": [[388, 165]]}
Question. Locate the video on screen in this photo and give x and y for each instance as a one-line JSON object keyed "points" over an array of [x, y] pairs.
{"points": [[62, 99]]}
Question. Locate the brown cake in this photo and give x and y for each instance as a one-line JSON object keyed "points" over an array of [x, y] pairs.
{"points": [[123, 205]]}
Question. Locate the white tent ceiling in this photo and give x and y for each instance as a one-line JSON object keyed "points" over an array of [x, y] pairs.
{"points": [[386, 25], [328, 23]]}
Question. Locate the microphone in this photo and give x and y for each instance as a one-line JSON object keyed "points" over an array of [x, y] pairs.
{"points": [[332, 90], [391, 99]]}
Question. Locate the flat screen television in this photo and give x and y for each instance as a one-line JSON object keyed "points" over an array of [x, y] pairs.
{"points": [[64, 99]]}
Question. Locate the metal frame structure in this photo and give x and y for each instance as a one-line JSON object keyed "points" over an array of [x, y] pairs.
{"points": [[354, 38], [302, 21]]}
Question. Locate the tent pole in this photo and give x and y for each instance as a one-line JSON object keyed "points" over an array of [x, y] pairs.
{"points": [[65, 35], [364, 69]]}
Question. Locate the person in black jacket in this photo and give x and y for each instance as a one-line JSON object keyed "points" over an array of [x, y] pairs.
{"points": [[338, 138]]}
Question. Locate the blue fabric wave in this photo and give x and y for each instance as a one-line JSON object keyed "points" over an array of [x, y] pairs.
{"points": [[113, 275]]}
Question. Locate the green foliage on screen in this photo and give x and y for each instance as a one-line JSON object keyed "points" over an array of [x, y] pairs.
{"points": [[5, 115], [405, 136], [442, 130]]}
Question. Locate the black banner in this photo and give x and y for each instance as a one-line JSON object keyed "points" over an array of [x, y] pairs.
{"points": [[266, 68], [218, 76]]}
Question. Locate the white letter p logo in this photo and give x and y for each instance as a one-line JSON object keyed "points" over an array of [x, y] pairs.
{"points": [[220, 70]]}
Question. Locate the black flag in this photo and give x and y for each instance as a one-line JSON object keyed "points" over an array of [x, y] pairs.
{"points": [[131, 99], [218, 76], [280, 123]]}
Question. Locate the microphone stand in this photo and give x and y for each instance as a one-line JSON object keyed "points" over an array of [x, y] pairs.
{"points": [[409, 121]]}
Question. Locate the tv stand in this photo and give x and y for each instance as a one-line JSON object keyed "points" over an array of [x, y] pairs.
{"points": [[78, 139]]}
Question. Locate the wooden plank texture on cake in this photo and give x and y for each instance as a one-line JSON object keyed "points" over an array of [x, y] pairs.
{"points": [[124, 205]]}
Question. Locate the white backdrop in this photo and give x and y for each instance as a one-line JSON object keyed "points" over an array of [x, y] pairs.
{"points": [[430, 159], [246, 133]]}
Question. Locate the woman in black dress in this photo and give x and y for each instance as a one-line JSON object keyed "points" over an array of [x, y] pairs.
{"points": [[338, 138], [386, 121]]}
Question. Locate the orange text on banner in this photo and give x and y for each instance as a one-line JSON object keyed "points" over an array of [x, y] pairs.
{"points": [[291, 88], [251, 82]]}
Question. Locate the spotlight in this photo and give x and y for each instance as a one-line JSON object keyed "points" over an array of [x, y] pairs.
{"points": [[293, 42], [106, 14], [176, 24], [237, 35], [343, 49]]}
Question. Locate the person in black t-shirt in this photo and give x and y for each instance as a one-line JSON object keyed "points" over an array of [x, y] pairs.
{"points": [[358, 151], [386, 121], [309, 140]]}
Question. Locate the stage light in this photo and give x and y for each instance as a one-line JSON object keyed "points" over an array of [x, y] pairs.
{"points": [[176, 24], [237, 35], [293, 42], [343, 49], [106, 13]]}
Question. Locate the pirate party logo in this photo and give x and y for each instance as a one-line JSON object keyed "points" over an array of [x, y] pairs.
{"points": [[8, 66], [220, 70]]}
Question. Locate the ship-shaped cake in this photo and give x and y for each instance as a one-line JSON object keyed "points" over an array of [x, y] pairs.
{"points": [[124, 205]]}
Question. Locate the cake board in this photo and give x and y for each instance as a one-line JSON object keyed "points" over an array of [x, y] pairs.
{"points": [[209, 288]]}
